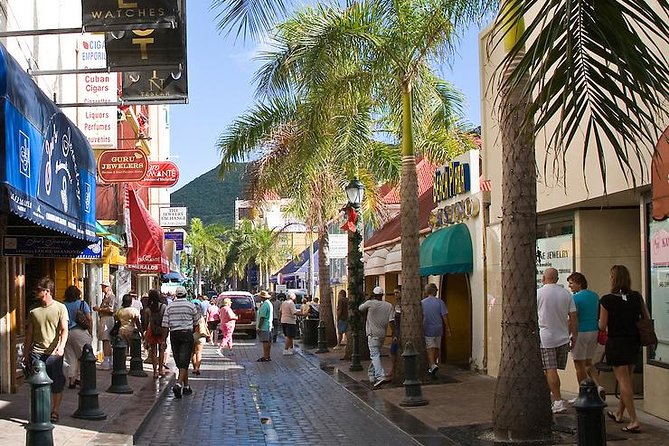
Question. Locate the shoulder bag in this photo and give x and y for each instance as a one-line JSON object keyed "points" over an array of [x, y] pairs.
{"points": [[646, 327], [80, 318]]}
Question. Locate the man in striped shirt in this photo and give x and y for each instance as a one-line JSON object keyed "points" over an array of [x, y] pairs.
{"points": [[181, 319]]}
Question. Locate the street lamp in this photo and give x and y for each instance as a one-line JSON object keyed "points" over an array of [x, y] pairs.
{"points": [[188, 250], [355, 191]]}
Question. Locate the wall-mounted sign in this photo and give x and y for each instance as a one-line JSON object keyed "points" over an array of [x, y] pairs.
{"points": [[109, 15], [556, 252], [177, 237], [338, 248], [49, 247], [120, 166], [161, 174], [146, 49], [455, 212], [156, 86], [451, 180], [173, 217], [97, 123]]}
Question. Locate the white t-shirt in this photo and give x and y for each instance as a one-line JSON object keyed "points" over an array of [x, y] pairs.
{"points": [[554, 303], [287, 311], [379, 313]]}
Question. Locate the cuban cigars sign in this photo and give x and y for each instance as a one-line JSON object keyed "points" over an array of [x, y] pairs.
{"points": [[98, 124], [173, 217], [120, 166], [160, 174], [110, 15]]}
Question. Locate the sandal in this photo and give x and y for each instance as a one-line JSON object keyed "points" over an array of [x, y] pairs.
{"points": [[631, 430], [54, 417], [155, 375], [613, 417]]}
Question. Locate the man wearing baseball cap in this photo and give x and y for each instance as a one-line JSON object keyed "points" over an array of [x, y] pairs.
{"points": [[180, 319], [106, 310], [380, 314]]}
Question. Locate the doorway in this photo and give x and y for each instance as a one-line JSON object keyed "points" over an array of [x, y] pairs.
{"points": [[456, 293]]}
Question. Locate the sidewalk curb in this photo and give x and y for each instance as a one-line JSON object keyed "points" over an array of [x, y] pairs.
{"points": [[157, 402]]}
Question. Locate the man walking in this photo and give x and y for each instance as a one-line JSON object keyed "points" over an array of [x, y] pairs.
{"points": [[435, 324], [264, 326], [288, 314], [557, 323], [106, 310], [181, 318], [342, 318], [46, 337], [379, 315]]}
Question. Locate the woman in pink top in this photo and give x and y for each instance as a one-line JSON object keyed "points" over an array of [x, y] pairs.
{"points": [[212, 321], [228, 318]]}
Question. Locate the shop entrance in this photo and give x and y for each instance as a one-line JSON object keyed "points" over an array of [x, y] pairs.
{"points": [[456, 293]]}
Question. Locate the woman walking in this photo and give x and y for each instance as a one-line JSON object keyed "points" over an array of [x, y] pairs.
{"points": [[79, 333], [619, 314], [156, 334], [228, 319], [213, 320], [129, 318]]}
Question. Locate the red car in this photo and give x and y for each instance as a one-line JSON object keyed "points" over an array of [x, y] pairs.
{"points": [[244, 307]]}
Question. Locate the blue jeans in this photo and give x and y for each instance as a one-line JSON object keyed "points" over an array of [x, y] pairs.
{"points": [[375, 371]]}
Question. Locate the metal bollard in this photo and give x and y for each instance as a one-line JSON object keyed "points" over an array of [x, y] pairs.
{"points": [[355, 352], [39, 430], [413, 395], [322, 342], [119, 372], [591, 428], [136, 364], [89, 408]]}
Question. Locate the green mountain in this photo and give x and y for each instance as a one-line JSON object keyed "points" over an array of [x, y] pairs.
{"points": [[210, 198]]}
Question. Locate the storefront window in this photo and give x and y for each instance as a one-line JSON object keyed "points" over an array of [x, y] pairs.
{"points": [[658, 239], [555, 245]]}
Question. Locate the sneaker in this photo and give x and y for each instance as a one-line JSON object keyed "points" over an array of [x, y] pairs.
{"points": [[187, 390], [572, 401], [432, 370], [558, 407], [291, 352], [602, 392], [219, 352], [379, 382], [285, 352], [106, 365], [177, 391]]}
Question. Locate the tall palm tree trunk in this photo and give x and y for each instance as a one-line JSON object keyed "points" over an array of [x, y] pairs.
{"points": [[324, 288], [521, 385], [412, 314]]}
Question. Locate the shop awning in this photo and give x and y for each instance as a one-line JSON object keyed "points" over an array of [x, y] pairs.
{"points": [[147, 253], [292, 268], [375, 264], [447, 251], [104, 232], [48, 169]]}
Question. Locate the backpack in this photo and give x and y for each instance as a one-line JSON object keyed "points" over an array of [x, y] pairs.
{"points": [[156, 321]]}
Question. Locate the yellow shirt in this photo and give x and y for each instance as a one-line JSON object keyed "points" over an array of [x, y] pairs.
{"points": [[46, 323]]}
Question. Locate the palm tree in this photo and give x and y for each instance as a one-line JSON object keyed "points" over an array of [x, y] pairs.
{"points": [[209, 251]]}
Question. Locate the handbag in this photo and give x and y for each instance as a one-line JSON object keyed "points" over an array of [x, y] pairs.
{"points": [[602, 337], [646, 329], [80, 318], [115, 329]]}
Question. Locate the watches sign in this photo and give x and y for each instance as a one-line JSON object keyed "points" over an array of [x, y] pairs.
{"points": [[161, 174], [119, 166]]}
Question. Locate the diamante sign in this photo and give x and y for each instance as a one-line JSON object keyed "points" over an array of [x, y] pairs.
{"points": [[161, 174]]}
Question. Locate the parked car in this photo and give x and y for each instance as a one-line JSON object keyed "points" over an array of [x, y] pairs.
{"points": [[244, 307]]}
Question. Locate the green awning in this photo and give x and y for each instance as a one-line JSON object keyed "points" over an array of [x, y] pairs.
{"points": [[103, 231], [447, 251]]}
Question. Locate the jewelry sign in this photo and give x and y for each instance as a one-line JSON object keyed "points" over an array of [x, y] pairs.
{"points": [[110, 15], [173, 217], [120, 166], [160, 174]]}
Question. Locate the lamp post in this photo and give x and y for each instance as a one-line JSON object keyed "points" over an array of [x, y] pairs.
{"points": [[355, 191], [188, 250]]}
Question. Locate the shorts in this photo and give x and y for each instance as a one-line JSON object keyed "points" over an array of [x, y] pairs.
{"points": [[289, 330], [54, 368], [394, 347], [182, 347], [622, 351], [555, 358], [213, 326], [105, 324], [263, 336], [342, 326], [432, 341], [585, 346]]}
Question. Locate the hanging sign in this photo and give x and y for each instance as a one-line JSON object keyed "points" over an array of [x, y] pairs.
{"points": [[173, 217], [120, 166], [146, 49], [156, 86], [160, 174], [110, 15], [177, 237]]}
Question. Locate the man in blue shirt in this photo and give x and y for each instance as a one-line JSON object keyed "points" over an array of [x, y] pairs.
{"points": [[264, 325], [435, 322]]}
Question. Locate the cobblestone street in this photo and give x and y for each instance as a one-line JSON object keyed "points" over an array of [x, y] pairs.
{"points": [[289, 400]]}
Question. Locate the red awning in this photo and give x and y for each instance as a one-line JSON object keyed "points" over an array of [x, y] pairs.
{"points": [[147, 253]]}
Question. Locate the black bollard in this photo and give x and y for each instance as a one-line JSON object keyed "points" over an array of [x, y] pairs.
{"points": [[355, 352], [591, 428], [89, 408], [39, 430], [322, 342], [413, 395], [119, 370], [136, 364]]}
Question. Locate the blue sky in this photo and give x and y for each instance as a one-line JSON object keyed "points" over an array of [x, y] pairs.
{"points": [[220, 83]]}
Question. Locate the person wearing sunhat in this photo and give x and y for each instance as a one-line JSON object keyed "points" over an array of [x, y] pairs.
{"points": [[181, 318], [264, 325], [106, 311]]}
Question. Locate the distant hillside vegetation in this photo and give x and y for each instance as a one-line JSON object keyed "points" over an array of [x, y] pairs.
{"points": [[211, 199]]}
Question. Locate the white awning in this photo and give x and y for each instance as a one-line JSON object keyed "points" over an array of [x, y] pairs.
{"points": [[374, 265], [394, 259]]}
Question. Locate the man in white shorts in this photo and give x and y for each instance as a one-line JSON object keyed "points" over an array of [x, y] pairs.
{"points": [[557, 323], [435, 324]]}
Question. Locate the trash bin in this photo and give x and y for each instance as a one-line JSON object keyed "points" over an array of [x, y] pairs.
{"points": [[309, 331]]}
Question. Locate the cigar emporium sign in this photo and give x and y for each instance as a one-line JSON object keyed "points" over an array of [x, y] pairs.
{"points": [[118, 166], [111, 15]]}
